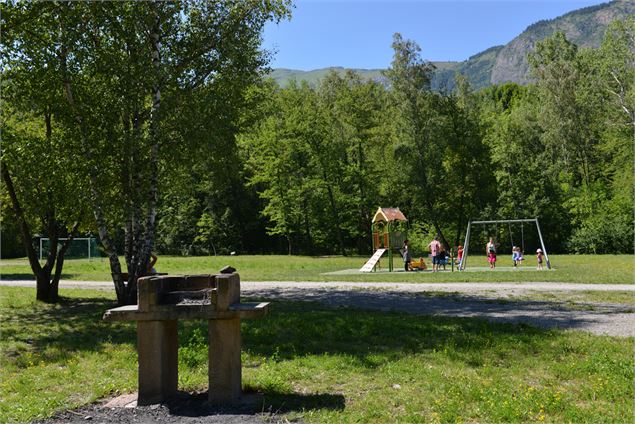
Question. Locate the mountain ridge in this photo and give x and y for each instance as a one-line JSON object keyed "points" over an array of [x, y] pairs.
{"points": [[498, 64]]}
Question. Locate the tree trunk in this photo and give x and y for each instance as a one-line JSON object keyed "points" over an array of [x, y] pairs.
{"points": [[25, 231], [127, 183], [363, 221], [42, 275], [459, 226], [307, 225], [43, 278], [336, 217], [59, 264], [115, 266], [43, 291], [144, 257], [47, 290]]}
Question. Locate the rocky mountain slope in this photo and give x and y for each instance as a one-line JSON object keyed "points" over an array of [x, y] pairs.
{"points": [[585, 27]]}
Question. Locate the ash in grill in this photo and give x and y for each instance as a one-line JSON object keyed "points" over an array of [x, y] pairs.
{"points": [[189, 297]]}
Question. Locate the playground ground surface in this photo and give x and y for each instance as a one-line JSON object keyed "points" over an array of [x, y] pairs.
{"points": [[597, 269], [314, 363], [448, 268]]}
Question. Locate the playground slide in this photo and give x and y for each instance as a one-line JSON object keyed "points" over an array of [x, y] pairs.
{"points": [[370, 264]]}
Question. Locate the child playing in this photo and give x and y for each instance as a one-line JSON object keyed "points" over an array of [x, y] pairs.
{"points": [[442, 258], [539, 256], [517, 256], [406, 256], [459, 256], [490, 249]]}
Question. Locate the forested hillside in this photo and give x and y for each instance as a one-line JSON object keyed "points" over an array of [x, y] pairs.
{"points": [[584, 27], [238, 163]]}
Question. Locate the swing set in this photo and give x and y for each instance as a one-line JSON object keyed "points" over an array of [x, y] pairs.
{"points": [[509, 222]]}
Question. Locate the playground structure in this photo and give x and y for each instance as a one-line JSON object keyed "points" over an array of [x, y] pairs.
{"points": [[466, 245], [389, 229], [418, 264]]}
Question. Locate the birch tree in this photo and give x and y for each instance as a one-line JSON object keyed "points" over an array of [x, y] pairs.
{"points": [[124, 68]]}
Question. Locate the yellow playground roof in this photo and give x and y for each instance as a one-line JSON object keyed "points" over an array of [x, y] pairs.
{"points": [[388, 214]]}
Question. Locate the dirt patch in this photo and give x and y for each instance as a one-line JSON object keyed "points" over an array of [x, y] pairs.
{"points": [[191, 408]]}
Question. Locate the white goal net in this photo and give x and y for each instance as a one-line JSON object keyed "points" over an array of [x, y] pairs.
{"points": [[80, 248]]}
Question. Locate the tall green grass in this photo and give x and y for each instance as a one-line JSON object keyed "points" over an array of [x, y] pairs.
{"points": [[325, 365], [567, 268]]}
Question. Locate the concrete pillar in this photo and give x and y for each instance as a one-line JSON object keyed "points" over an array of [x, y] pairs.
{"points": [[157, 345], [228, 291], [225, 369]]}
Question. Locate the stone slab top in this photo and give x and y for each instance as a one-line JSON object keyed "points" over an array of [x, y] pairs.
{"points": [[248, 310]]}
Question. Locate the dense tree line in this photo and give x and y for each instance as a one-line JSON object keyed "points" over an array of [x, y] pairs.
{"points": [[561, 149], [157, 119]]}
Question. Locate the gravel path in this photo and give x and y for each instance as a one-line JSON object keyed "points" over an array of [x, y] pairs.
{"points": [[501, 288], [482, 300], [597, 318]]}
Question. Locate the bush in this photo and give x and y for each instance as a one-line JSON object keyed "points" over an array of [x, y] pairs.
{"points": [[11, 243], [607, 232]]}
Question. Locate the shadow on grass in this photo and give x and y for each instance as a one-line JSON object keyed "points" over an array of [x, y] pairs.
{"points": [[73, 324], [294, 329], [364, 334], [27, 276], [196, 405], [370, 338], [544, 314], [291, 329]]}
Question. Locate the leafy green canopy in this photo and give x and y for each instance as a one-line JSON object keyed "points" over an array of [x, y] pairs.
{"points": [[143, 87]]}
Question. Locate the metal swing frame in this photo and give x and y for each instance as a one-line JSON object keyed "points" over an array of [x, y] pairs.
{"points": [[466, 245]]}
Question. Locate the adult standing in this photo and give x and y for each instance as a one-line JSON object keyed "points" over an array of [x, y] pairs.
{"points": [[435, 248], [406, 255]]}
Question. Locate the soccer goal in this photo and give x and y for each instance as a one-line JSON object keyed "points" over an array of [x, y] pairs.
{"points": [[466, 245], [80, 248]]}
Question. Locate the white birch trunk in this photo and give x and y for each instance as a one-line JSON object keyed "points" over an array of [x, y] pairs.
{"points": [[115, 266], [151, 213]]}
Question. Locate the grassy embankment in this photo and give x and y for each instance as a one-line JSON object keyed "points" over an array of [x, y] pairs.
{"points": [[567, 268], [326, 365]]}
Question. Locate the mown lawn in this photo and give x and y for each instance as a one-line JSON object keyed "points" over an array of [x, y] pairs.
{"points": [[326, 365], [599, 269]]}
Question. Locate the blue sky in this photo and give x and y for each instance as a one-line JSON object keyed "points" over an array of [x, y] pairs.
{"points": [[358, 33]]}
